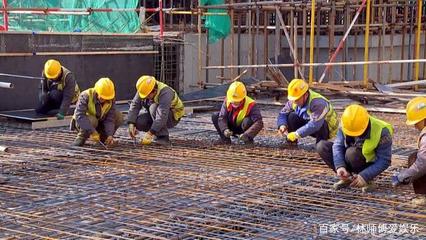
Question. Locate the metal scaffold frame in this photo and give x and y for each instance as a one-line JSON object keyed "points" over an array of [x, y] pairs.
{"points": [[377, 18]]}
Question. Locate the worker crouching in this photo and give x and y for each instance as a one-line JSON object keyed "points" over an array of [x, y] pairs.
{"points": [[58, 89], [416, 173], [361, 151], [307, 113], [162, 107], [95, 116], [239, 116]]}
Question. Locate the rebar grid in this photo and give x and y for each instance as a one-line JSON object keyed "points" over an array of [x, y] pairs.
{"points": [[192, 190]]}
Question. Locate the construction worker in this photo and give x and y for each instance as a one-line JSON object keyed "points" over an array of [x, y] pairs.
{"points": [[307, 113], [361, 151], [239, 115], [95, 115], [163, 110], [416, 173], [58, 89]]}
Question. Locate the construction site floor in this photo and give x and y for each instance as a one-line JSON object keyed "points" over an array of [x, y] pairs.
{"points": [[194, 189]]}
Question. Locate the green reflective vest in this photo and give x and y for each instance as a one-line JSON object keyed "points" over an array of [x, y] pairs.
{"points": [[370, 144], [244, 111], [91, 106], [176, 107], [330, 117]]}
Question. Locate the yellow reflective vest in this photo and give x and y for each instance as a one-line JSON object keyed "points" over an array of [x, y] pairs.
{"points": [[248, 104], [177, 105], [370, 144], [61, 84], [91, 106], [330, 117]]}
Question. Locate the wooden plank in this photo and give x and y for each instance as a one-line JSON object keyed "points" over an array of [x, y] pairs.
{"points": [[275, 74], [51, 123], [328, 86]]}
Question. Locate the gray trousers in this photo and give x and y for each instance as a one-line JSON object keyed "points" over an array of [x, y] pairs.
{"points": [[98, 125], [419, 185], [145, 120]]}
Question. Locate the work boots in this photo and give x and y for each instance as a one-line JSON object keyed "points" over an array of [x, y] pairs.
{"points": [[223, 141], [369, 187], [246, 139], [342, 184], [163, 140], [79, 141], [419, 201]]}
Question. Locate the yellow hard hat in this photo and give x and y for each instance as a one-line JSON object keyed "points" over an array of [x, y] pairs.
{"points": [[52, 69], [236, 92], [104, 87], [145, 85], [355, 120], [416, 110], [296, 89]]}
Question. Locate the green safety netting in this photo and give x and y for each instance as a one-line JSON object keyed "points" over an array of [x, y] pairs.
{"points": [[114, 22], [219, 26]]}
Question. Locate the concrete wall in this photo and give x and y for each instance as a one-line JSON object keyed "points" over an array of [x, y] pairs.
{"points": [[387, 72], [124, 70]]}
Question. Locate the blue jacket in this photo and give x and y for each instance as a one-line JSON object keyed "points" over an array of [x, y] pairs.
{"points": [[315, 120], [383, 153]]}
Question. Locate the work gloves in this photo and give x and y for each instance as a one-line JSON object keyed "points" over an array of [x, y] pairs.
{"points": [[293, 136], [147, 138], [95, 137], [132, 130], [396, 182], [228, 133], [60, 116]]}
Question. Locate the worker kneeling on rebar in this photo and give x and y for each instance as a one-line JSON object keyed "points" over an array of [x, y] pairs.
{"points": [[58, 89], [161, 109], [307, 113], [416, 173], [95, 116], [239, 116], [361, 151]]}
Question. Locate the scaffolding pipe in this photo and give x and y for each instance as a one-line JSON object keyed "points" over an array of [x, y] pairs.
{"points": [[319, 64], [200, 64], [161, 19], [77, 53], [342, 41], [19, 76], [311, 44], [5, 17], [88, 11], [367, 32], [419, 30], [6, 85]]}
